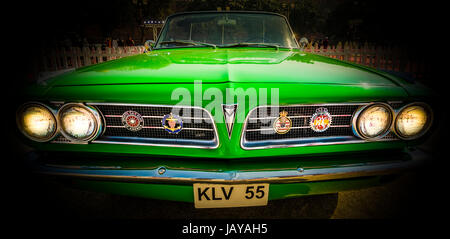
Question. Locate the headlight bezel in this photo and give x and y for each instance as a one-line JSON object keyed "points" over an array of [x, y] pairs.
{"points": [[357, 116], [20, 126], [430, 116], [98, 120]]}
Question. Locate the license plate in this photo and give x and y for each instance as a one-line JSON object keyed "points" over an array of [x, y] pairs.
{"points": [[225, 195]]}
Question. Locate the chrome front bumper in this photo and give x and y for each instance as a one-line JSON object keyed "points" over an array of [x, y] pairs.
{"points": [[164, 174]]}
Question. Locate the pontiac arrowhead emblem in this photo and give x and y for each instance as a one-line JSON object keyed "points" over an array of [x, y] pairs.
{"points": [[229, 113]]}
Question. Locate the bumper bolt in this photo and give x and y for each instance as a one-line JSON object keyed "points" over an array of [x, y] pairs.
{"points": [[300, 170], [161, 170]]}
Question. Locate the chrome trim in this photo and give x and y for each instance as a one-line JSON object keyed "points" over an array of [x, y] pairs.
{"points": [[215, 142], [143, 105], [424, 131], [20, 126], [97, 118], [157, 117], [142, 142], [158, 127], [299, 143], [229, 117], [282, 175], [297, 127], [317, 141], [298, 116], [355, 118]]}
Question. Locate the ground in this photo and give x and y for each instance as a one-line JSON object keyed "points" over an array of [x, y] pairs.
{"points": [[402, 198]]}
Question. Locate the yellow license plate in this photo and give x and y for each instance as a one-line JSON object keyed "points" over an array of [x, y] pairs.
{"points": [[225, 195]]}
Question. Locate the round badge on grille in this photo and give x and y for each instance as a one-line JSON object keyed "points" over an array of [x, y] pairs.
{"points": [[132, 120], [282, 124], [321, 120], [172, 123]]}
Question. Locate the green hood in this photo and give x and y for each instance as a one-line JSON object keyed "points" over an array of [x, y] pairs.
{"points": [[237, 65]]}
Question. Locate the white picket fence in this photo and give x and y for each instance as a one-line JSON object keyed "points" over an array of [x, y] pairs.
{"points": [[384, 58], [75, 57]]}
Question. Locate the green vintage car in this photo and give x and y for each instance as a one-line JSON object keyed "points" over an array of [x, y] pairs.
{"points": [[225, 109]]}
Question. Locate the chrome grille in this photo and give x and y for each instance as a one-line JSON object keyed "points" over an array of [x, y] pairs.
{"points": [[60, 139], [259, 133], [198, 127]]}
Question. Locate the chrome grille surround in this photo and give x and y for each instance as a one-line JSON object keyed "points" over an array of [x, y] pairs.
{"points": [[300, 134], [200, 133]]}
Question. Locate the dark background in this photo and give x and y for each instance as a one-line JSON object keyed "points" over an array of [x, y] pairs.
{"points": [[415, 25], [376, 21]]}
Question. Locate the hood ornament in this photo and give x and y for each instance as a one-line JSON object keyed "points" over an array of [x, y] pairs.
{"points": [[229, 113]]}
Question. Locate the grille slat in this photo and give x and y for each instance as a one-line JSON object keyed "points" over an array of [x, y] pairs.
{"points": [[198, 127], [296, 122], [156, 122], [259, 132]]}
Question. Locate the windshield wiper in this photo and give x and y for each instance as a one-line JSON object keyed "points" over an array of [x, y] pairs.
{"points": [[194, 43], [244, 44]]}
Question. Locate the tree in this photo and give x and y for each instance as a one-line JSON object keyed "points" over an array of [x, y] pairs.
{"points": [[306, 17]]}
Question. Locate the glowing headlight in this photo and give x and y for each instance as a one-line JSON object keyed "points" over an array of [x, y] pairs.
{"points": [[373, 121], [79, 122], [36, 121], [413, 121]]}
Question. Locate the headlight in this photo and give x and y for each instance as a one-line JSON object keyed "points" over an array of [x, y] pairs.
{"points": [[78, 122], [413, 121], [373, 121], [36, 121]]}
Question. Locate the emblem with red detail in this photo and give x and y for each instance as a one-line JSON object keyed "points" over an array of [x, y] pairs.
{"points": [[321, 120], [132, 120]]}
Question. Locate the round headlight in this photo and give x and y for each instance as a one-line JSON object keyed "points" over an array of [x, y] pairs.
{"points": [[79, 122], [413, 121], [373, 121], [36, 121]]}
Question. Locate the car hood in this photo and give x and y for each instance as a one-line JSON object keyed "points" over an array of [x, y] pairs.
{"points": [[222, 65]]}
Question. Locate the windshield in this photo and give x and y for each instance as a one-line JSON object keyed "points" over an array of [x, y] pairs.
{"points": [[225, 30]]}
